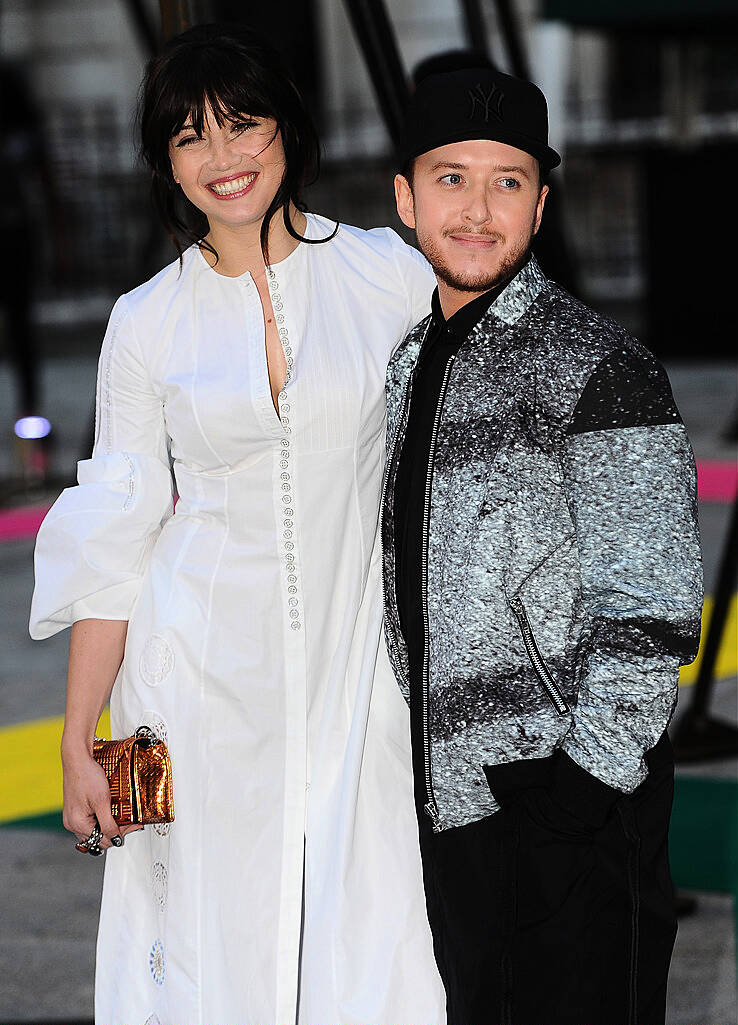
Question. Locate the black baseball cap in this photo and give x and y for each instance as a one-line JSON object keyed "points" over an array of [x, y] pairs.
{"points": [[477, 103]]}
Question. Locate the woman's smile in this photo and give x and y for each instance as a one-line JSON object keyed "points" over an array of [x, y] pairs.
{"points": [[232, 186]]}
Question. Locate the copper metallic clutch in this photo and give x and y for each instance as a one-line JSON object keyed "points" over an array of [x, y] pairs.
{"points": [[139, 772]]}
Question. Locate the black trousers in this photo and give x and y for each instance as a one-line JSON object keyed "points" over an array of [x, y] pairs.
{"points": [[539, 920]]}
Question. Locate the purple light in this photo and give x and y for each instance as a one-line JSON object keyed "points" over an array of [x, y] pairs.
{"points": [[33, 427]]}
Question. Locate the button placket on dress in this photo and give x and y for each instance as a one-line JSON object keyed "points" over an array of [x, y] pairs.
{"points": [[290, 923], [286, 475]]}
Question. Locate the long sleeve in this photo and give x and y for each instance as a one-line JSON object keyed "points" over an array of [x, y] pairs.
{"points": [[94, 544], [631, 487], [417, 278]]}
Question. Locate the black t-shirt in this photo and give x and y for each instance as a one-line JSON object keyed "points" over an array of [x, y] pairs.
{"points": [[442, 341]]}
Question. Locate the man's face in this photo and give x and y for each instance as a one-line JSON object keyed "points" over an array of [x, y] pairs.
{"points": [[475, 207]]}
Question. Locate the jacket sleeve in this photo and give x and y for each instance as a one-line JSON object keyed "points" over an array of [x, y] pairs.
{"points": [[94, 545], [630, 481]]}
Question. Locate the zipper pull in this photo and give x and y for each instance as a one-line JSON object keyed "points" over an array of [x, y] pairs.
{"points": [[517, 606], [431, 810]]}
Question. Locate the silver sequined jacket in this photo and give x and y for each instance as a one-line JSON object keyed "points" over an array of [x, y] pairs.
{"points": [[564, 582]]}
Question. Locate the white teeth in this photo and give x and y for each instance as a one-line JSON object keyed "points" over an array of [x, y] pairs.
{"points": [[227, 188]]}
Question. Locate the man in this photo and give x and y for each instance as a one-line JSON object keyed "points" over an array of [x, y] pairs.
{"points": [[543, 584]]}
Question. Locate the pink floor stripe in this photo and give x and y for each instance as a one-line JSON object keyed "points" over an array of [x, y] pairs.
{"points": [[716, 482], [23, 522]]}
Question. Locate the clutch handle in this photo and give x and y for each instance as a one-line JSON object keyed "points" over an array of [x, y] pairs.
{"points": [[147, 737]]}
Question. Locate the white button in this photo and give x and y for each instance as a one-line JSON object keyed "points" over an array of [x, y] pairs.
{"points": [[287, 512], [287, 351], [295, 626], [294, 614], [278, 306], [285, 407], [289, 545], [292, 590], [288, 534], [284, 476], [292, 603], [288, 523], [285, 420], [292, 578], [283, 463]]}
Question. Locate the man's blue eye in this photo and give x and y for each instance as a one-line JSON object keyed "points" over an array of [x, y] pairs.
{"points": [[447, 177], [511, 183]]}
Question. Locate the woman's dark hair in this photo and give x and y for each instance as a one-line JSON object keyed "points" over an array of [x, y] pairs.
{"points": [[235, 71]]}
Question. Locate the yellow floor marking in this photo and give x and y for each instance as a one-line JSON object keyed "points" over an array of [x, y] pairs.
{"points": [[727, 660], [30, 771]]}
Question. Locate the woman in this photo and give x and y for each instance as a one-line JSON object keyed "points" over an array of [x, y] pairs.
{"points": [[245, 626]]}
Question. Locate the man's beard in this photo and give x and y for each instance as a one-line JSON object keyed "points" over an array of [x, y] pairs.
{"points": [[480, 280]]}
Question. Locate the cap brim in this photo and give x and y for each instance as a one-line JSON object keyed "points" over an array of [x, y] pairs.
{"points": [[547, 157]]}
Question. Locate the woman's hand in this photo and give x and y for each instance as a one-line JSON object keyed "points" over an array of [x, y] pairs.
{"points": [[95, 654], [87, 799]]}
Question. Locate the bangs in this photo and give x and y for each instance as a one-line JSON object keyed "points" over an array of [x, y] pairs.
{"points": [[237, 74], [215, 80]]}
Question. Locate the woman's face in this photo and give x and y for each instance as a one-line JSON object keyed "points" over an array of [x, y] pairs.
{"points": [[232, 171]]}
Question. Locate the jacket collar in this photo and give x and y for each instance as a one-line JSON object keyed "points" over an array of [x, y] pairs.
{"points": [[518, 295]]}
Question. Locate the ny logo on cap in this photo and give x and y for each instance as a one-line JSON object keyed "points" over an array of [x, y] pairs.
{"points": [[488, 102]]}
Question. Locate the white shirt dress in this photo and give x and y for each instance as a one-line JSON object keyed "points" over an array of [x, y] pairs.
{"points": [[288, 889]]}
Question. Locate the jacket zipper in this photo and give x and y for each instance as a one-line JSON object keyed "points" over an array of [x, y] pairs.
{"points": [[430, 807], [397, 443], [549, 684]]}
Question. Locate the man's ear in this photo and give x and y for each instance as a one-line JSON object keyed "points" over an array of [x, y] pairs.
{"points": [[405, 200], [539, 208]]}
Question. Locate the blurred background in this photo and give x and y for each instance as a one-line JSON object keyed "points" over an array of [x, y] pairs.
{"points": [[641, 224]]}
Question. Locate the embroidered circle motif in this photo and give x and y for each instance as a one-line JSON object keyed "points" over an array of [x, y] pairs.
{"points": [[155, 723], [159, 881], [162, 828], [157, 964], [157, 660]]}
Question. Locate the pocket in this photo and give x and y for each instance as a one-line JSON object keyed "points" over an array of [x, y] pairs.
{"points": [[550, 687]]}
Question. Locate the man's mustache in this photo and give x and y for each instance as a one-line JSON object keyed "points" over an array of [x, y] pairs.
{"points": [[480, 234]]}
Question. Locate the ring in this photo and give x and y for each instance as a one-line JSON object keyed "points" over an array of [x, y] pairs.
{"points": [[92, 844]]}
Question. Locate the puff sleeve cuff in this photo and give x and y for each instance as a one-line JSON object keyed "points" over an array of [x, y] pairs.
{"points": [[93, 547]]}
